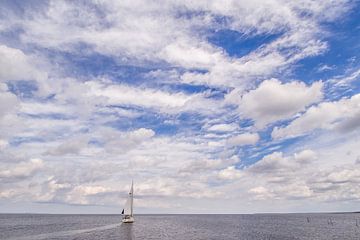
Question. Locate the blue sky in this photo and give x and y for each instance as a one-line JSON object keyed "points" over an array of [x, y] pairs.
{"points": [[255, 104]]}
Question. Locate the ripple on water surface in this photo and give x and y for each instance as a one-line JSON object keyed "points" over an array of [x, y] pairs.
{"points": [[178, 227]]}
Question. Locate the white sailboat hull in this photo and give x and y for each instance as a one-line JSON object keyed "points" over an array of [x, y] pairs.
{"points": [[128, 220]]}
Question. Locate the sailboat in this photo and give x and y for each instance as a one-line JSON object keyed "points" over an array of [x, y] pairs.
{"points": [[127, 212]]}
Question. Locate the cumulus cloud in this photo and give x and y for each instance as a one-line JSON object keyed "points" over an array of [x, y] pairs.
{"points": [[15, 65], [341, 115], [304, 175], [276, 163], [273, 101], [279, 177]]}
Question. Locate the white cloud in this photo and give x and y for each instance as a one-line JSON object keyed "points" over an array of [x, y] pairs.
{"points": [[8, 101], [160, 163], [157, 32], [261, 193], [276, 163], [15, 65], [273, 101], [141, 133], [323, 175], [122, 94], [37, 108], [347, 79], [108, 140], [168, 187], [80, 194], [243, 139], [3, 144], [70, 146], [187, 55], [47, 128], [165, 102], [223, 127], [22, 169], [202, 165], [341, 115], [325, 67], [230, 173], [116, 141], [175, 45], [10, 123]]}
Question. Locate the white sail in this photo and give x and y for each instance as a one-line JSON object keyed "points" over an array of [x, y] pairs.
{"points": [[132, 198], [128, 208]]}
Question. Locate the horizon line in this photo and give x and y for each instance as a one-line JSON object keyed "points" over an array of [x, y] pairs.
{"points": [[259, 213]]}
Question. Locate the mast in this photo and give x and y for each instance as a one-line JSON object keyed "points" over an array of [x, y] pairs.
{"points": [[132, 197]]}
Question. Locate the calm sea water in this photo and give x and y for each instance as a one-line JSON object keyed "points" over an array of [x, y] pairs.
{"points": [[176, 227]]}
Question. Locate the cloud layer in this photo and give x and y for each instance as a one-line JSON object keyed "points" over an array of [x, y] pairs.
{"points": [[198, 102]]}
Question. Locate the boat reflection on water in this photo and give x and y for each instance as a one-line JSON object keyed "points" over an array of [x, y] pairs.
{"points": [[127, 232]]}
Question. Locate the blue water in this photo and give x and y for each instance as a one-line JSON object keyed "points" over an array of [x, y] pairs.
{"points": [[174, 227]]}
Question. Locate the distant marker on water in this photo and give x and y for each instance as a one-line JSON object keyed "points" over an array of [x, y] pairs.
{"points": [[330, 222]]}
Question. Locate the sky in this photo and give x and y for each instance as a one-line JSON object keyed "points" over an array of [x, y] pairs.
{"points": [[209, 106]]}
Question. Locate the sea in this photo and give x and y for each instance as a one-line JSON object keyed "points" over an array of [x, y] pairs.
{"points": [[175, 227]]}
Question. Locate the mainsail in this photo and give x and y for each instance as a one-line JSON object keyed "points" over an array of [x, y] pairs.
{"points": [[128, 209]]}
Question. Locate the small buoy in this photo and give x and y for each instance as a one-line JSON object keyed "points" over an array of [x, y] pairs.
{"points": [[330, 222]]}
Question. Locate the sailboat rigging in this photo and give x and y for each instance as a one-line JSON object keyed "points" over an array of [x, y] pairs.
{"points": [[127, 212]]}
